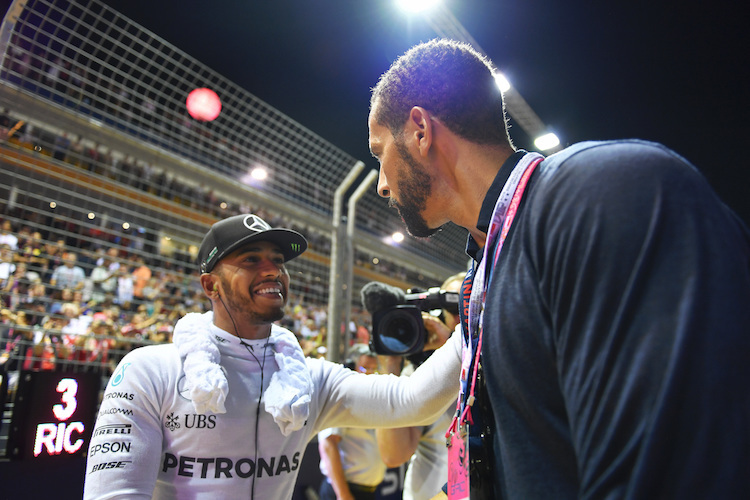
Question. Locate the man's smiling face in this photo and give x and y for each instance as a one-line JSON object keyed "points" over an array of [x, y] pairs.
{"points": [[254, 282]]}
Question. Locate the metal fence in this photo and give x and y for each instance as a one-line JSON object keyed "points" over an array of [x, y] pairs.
{"points": [[100, 158], [87, 59]]}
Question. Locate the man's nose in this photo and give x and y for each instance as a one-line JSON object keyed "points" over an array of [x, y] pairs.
{"points": [[269, 267], [383, 189]]}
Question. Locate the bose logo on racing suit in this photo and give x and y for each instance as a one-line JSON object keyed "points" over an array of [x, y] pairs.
{"points": [[111, 465], [217, 467]]}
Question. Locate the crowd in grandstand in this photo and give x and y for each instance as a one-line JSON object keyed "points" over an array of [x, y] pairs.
{"points": [[84, 308], [80, 297]]}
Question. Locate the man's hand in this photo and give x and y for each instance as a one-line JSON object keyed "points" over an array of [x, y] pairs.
{"points": [[437, 332]]}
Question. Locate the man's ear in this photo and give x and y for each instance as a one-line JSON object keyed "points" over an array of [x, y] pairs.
{"points": [[209, 284], [420, 128]]}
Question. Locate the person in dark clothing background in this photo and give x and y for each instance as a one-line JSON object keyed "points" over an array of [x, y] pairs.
{"points": [[609, 296]]}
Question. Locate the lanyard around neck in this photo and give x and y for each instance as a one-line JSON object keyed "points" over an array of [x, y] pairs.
{"points": [[503, 215]]}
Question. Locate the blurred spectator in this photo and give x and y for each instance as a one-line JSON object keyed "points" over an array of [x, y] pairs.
{"points": [[7, 269], [20, 341], [66, 295], [7, 265], [42, 355], [152, 289], [32, 251], [124, 287], [100, 338], [54, 252], [141, 277], [74, 331], [15, 288], [52, 328], [36, 311], [68, 275], [103, 281], [6, 235]]}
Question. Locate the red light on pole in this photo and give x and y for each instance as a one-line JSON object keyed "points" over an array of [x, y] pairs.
{"points": [[203, 104]]}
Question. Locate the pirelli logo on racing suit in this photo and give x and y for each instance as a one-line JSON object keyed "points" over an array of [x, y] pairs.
{"points": [[113, 429], [218, 467]]}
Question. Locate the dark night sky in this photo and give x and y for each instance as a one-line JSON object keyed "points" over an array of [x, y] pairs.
{"points": [[672, 72]]}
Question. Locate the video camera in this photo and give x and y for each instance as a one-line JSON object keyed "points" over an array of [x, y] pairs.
{"points": [[397, 326]]}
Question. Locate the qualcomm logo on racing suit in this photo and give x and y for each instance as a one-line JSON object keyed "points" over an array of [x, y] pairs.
{"points": [[215, 468]]}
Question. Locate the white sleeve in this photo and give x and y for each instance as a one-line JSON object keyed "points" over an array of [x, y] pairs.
{"points": [[126, 445], [358, 400]]}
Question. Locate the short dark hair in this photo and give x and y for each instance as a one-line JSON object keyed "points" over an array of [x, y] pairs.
{"points": [[449, 79]]}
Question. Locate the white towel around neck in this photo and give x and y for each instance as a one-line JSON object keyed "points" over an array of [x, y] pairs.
{"points": [[289, 393]]}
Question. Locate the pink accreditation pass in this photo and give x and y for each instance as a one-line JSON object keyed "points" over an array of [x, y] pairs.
{"points": [[458, 463], [457, 439]]}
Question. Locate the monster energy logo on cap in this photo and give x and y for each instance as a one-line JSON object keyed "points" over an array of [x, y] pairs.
{"points": [[233, 232]]}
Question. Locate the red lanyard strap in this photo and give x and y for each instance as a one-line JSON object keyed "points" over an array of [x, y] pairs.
{"points": [[503, 215]]}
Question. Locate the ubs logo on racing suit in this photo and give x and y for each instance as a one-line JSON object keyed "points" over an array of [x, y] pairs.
{"points": [[172, 422], [192, 421]]}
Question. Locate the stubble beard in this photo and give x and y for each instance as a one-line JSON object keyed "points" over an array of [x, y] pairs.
{"points": [[414, 188], [247, 309]]}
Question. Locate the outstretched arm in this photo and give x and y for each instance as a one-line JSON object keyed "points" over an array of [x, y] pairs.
{"points": [[372, 401]]}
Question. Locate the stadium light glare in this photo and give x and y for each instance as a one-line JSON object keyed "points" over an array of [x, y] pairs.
{"points": [[502, 83], [259, 173], [547, 141], [416, 5]]}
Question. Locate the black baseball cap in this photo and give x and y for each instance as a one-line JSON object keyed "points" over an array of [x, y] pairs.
{"points": [[231, 233]]}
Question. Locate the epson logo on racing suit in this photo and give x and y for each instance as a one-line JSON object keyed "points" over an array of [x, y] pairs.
{"points": [[114, 447], [226, 467]]}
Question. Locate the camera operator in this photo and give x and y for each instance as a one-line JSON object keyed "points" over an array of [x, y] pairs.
{"points": [[424, 445]]}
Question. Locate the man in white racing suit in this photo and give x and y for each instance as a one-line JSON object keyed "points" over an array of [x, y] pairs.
{"points": [[227, 410]]}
